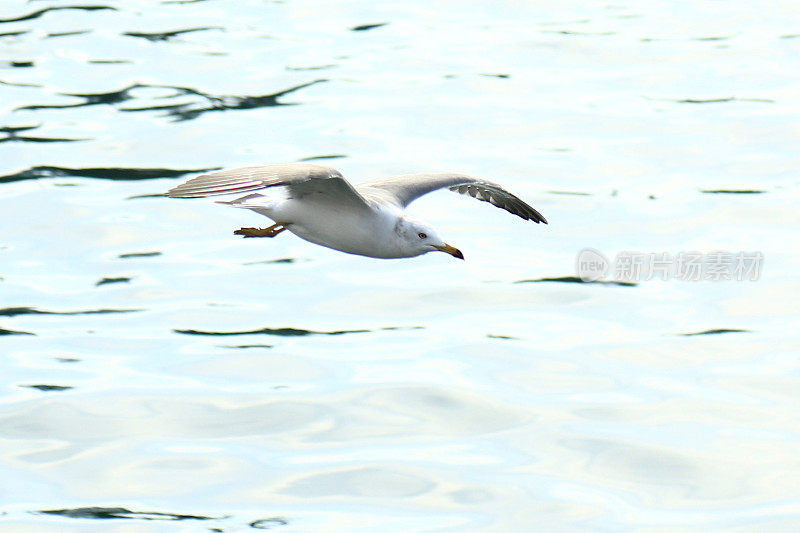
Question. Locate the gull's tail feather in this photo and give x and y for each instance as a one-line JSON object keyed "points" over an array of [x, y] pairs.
{"points": [[202, 186]]}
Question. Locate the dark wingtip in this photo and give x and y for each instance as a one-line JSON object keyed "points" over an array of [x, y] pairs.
{"points": [[536, 216]]}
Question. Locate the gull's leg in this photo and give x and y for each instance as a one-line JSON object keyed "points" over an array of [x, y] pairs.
{"points": [[261, 232]]}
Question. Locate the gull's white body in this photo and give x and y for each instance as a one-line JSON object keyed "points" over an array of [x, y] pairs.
{"points": [[369, 232], [317, 204]]}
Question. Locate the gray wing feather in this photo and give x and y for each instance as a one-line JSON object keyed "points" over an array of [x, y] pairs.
{"points": [[300, 178], [402, 190]]}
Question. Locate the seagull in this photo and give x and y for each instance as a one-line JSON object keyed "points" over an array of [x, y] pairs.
{"points": [[317, 204]]}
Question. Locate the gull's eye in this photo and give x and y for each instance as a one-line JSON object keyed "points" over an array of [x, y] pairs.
{"points": [[422, 235]]}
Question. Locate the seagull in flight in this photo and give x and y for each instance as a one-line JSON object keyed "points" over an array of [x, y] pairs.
{"points": [[317, 204]]}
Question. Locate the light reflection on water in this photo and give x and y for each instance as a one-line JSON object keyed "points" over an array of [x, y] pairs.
{"points": [[160, 374]]}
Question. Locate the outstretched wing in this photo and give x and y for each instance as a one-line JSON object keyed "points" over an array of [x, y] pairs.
{"points": [[301, 178], [402, 190]]}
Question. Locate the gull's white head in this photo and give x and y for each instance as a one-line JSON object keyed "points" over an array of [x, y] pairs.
{"points": [[417, 238]]}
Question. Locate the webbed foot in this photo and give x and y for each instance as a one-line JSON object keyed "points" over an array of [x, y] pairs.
{"points": [[260, 232]]}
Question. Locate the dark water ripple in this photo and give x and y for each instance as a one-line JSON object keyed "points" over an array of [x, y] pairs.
{"points": [[122, 513], [289, 332], [714, 332], [132, 255], [105, 513], [12, 135], [713, 38], [67, 33], [318, 67], [13, 33], [37, 14], [121, 174], [723, 100], [13, 332], [12, 84], [245, 346], [17, 64], [110, 61], [367, 27], [269, 523], [108, 281], [732, 191], [318, 157], [110, 98], [178, 112], [281, 332], [48, 388], [167, 35], [16, 311], [575, 279], [281, 261]]}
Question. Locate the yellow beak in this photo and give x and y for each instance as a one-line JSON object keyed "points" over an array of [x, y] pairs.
{"points": [[455, 252]]}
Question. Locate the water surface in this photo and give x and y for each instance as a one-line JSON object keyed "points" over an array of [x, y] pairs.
{"points": [[160, 374]]}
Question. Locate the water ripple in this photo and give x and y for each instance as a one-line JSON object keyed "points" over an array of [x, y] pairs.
{"points": [[367, 27], [281, 332], [106, 173], [269, 523], [245, 346], [574, 279], [123, 513], [37, 14], [723, 100], [18, 64], [167, 35], [714, 332], [13, 33], [178, 111], [12, 135], [13, 84], [16, 311], [67, 33], [318, 157], [104, 513], [108, 281], [132, 255], [732, 191], [13, 332], [49, 388]]}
